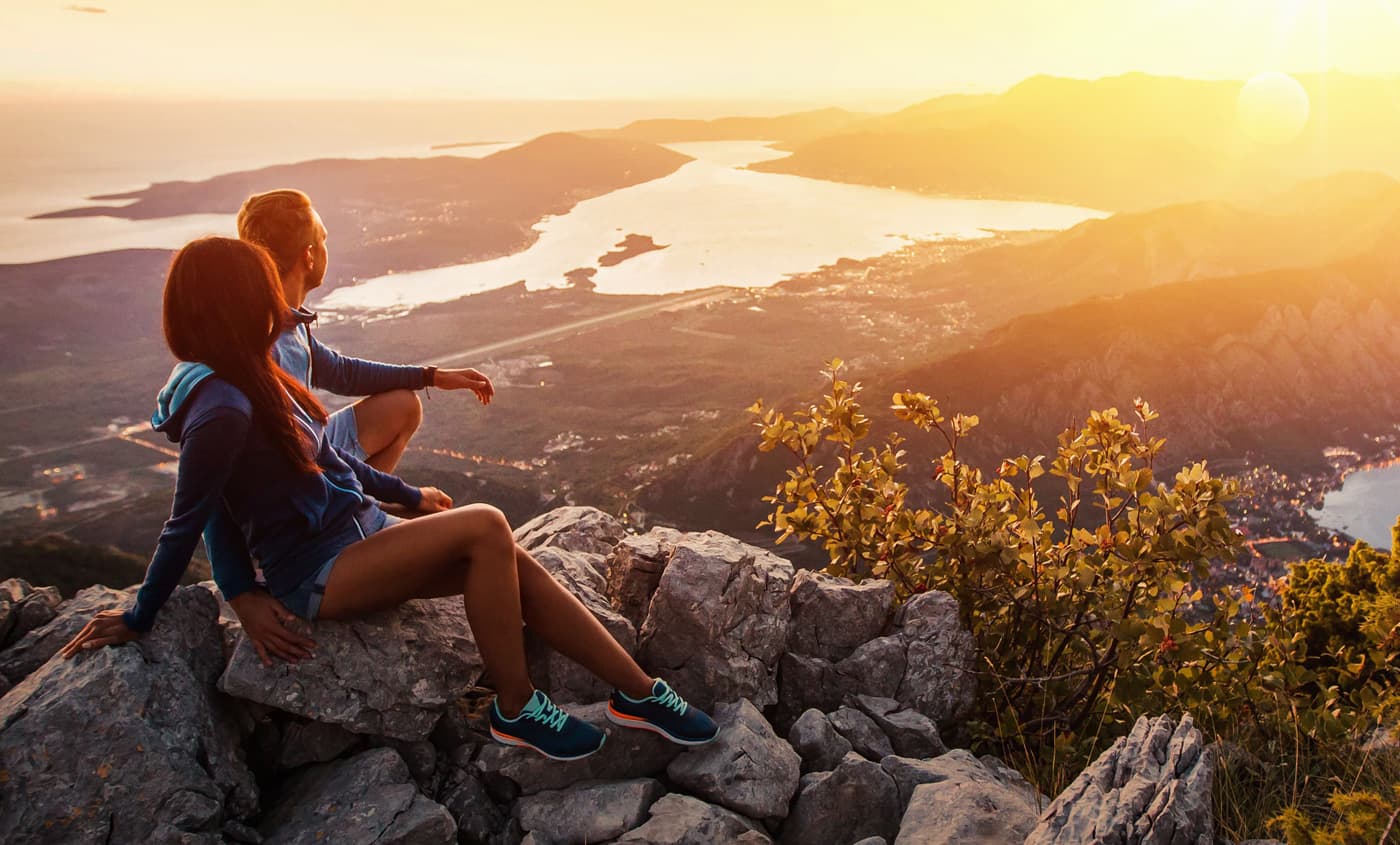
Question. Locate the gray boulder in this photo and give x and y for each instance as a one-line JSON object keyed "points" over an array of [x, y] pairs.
{"points": [[479, 818], [628, 753], [957, 799], [817, 742], [862, 732], [126, 744], [1151, 787], [635, 568], [35, 648], [392, 673], [857, 799], [588, 812], [572, 529], [313, 742], [938, 662], [366, 799], [562, 678], [832, 616], [682, 820], [959, 766], [24, 607], [911, 733], [718, 621], [747, 768]]}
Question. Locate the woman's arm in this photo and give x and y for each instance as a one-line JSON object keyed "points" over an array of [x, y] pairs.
{"points": [[381, 485]]}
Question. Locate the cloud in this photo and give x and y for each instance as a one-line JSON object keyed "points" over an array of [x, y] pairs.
{"points": [[91, 10]]}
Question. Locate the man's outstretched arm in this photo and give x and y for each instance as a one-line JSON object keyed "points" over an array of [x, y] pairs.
{"points": [[347, 376]]}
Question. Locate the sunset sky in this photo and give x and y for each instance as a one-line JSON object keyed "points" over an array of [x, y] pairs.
{"points": [[798, 49]]}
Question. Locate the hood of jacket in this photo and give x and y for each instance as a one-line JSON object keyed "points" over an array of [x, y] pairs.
{"points": [[173, 398]]}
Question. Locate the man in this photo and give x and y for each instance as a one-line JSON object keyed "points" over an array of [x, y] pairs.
{"points": [[376, 428]]}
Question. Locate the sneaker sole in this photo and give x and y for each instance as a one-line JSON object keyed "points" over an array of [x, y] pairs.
{"points": [[507, 739], [638, 723]]}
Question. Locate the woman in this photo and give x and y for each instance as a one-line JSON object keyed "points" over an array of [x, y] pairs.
{"points": [[252, 441]]}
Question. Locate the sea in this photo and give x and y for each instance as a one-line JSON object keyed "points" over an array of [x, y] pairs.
{"points": [[1365, 506]]}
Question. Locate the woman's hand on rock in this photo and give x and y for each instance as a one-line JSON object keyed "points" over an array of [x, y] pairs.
{"points": [[264, 620], [106, 628]]}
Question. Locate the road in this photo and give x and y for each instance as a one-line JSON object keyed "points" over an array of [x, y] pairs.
{"points": [[680, 300]]}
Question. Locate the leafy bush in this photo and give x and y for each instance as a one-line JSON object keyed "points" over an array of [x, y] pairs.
{"points": [[1090, 615]]}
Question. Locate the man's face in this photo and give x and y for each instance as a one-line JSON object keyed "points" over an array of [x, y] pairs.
{"points": [[317, 250]]}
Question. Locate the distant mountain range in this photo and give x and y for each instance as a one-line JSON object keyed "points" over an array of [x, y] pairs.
{"points": [[1127, 143], [413, 213], [791, 128]]}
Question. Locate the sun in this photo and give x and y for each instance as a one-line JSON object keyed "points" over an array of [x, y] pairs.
{"points": [[1272, 108]]}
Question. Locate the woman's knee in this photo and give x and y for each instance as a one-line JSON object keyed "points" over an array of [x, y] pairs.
{"points": [[407, 409], [485, 524]]}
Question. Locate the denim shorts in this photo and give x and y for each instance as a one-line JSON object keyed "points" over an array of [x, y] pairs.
{"points": [[305, 600], [344, 432]]}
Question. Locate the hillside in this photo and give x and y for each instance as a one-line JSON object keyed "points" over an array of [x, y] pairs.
{"points": [[1274, 364], [1126, 143], [422, 212], [1314, 223]]}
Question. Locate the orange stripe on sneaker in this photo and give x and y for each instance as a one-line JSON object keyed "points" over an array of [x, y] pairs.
{"points": [[506, 735], [622, 715]]}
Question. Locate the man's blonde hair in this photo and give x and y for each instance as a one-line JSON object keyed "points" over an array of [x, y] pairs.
{"points": [[280, 222]]}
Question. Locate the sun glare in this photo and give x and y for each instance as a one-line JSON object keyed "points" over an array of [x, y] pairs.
{"points": [[1272, 108]]}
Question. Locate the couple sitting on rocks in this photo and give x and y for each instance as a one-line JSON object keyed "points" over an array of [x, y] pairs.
{"points": [[266, 473]]}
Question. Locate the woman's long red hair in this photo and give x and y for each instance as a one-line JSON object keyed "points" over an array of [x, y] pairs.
{"points": [[224, 307]]}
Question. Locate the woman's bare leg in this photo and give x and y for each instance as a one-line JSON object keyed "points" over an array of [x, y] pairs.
{"points": [[471, 547], [566, 625]]}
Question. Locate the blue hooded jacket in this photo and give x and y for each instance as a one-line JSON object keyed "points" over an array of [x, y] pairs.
{"points": [[291, 521]]}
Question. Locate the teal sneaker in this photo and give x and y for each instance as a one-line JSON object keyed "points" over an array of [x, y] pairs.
{"points": [[663, 712], [543, 727]]}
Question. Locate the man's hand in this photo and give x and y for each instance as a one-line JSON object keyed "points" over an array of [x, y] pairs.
{"points": [[264, 621], [106, 628], [467, 379], [434, 500]]}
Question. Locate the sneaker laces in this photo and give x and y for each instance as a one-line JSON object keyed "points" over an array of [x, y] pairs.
{"points": [[549, 714], [670, 698]]}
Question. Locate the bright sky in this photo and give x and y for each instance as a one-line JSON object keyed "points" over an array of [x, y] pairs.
{"points": [[798, 49]]}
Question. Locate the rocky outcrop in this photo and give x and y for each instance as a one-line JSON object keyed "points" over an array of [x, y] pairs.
{"points": [[635, 568], [815, 739], [392, 673], [38, 645], [588, 812], [125, 744], [572, 529], [1151, 787], [24, 607], [683, 820], [368, 799], [925, 664], [831, 616], [718, 621], [747, 768], [956, 799], [825, 810]]}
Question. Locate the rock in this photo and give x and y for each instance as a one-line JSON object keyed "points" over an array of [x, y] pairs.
{"points": [[392, 673], [313, 742], [958, 766], [817, 742], [478, 817], [938, 679], [128, 743], [682, 820], [635, 568], [970, 805], [589, 812], [1152, 787], [832, 616], [368, 798], [718, 621], [35, 648], [911, 733], [747, 768], [24, 607], [572, 529], [862, 732], [565, 680], [240, 832], [875, 668], [872, 840], [628, 753], [857, 799], [420, 757]]}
